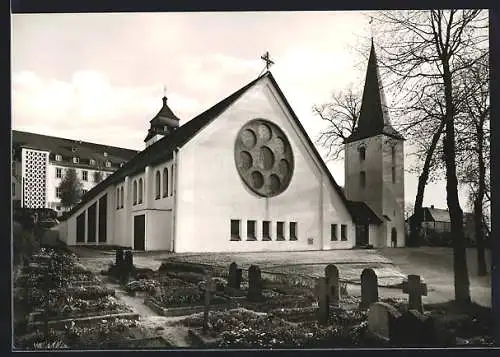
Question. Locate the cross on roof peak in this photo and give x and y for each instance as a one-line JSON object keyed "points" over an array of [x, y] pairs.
{"points": [[267, 59]]}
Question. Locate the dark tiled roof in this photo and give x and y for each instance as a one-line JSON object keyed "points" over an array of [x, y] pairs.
{"points": [[163, 149], [64, 147], [440, 215], [362, 213], [374, 116]]}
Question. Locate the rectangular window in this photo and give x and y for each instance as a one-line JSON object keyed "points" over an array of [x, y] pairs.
{"points": [[333, 233], [80, 228], [293, 230], [362, 179], [13, 189], [251, 230], [92, 162], [393, 154], [58, 158], [85, 175], [91, 223], [103, 206], [393, 174], [343, 232], [108, 163], [279, 231], [58, 172], [76, 160], [265, 230], [235, 229], [84, 191], [58, 192]]}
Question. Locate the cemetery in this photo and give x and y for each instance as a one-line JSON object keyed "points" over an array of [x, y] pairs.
{"points": [[60, 303]]}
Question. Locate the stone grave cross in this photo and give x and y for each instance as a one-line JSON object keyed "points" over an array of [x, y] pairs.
{"points": [[321, 292], [415, 290], [210, 288]]}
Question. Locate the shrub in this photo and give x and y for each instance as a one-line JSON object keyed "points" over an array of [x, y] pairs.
{"points": [[24, 245], [182, 267]]}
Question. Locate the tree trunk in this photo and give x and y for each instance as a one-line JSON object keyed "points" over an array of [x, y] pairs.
{"points": [[416, 222], [461, 275], [478, 202]]}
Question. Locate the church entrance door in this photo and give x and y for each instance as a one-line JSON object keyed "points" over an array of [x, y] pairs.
{"points": [[139, 232], [362, 238]]}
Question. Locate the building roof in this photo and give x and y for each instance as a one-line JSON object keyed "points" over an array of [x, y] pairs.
{"points": [[432, 214], [362, 213], [374, 115], [69, 148], [163, 149]]}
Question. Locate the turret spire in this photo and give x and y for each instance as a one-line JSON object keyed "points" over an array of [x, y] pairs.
{"points": [[374, 115]]}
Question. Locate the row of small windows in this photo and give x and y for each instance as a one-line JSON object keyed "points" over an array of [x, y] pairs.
{"points": [[85, 175], [334, 234], [137, 195], [158, 183], [76, 160], [266, 230]]}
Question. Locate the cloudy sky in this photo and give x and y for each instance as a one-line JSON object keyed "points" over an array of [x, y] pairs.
{"points": [[100, 77]]}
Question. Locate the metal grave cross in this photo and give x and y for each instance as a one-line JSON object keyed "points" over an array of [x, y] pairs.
{"points": [[268, 61], [415, 290]]}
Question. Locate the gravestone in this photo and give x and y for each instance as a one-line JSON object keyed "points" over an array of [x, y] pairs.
{"points": [[235, 275], [119, 257], [414, 329], [321, 292], [415, 289], [209, 290], [369, 288], [333, 284], [254, 283], [128, 259], [382, 319]]}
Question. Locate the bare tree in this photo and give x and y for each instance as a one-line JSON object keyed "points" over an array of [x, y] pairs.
{"points": [[473, 148], [341, 113], [426, 51]]}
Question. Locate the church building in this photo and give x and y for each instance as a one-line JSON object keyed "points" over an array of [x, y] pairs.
{"points": [[244, 176]]}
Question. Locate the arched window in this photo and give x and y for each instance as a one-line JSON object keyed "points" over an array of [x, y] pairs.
{"points": [[172, 181], [157, 184], [122, 195], [393, 154], [165, 182], [140, 190], [362, 179], [362, 153], [135, 192], [117, 197]]}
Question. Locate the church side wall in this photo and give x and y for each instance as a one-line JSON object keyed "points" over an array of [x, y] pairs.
{"points": [[335, 212], [211, 192], [159, 225]]}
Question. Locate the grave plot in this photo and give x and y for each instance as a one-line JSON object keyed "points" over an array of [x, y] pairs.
{"points": [[66, 307], [111, 333]]}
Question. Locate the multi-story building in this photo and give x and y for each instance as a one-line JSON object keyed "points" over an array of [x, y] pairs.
{"points": [[39, 163]]}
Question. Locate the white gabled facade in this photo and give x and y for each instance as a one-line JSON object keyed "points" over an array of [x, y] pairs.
{"points": [[189, 200]]}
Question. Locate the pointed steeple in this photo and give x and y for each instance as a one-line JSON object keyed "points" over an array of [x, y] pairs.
{"points": [[374, 115]]}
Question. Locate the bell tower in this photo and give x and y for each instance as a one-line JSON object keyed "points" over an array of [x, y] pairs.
{"points": [[164, 123], [374, 161]]}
